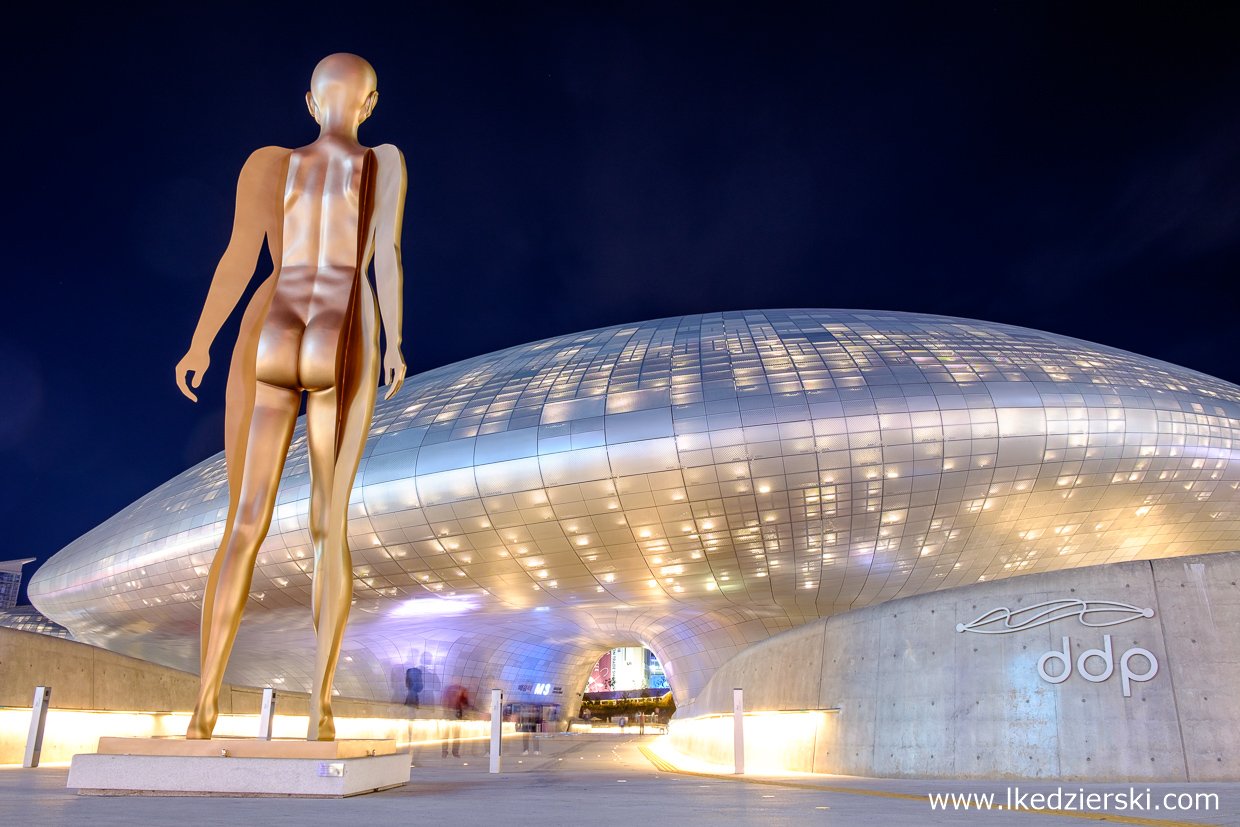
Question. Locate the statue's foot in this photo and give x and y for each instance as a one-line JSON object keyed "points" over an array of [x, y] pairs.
{"points": [[202, 722], [322, 725]]}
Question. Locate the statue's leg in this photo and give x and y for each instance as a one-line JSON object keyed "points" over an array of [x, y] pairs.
{"points": [[271, 428], [333, 567]]}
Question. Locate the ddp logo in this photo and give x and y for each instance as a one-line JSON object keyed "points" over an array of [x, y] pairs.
{"points": [[1092, 613], [1126, 675]]}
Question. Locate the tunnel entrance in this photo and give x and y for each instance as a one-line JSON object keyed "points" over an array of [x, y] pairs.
{"points": [[628, 688]]}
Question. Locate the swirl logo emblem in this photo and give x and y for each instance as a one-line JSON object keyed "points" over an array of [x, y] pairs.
{"points": [[1094, 613]]}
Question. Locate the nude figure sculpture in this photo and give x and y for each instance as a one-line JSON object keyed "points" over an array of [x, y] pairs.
{"points": [[312, 326]]}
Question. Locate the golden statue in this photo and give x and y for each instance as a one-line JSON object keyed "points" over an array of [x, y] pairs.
{"points": [[325, 210]]}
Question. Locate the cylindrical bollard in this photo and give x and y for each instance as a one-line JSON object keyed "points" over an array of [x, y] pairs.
{"points": [[738, 731], [38, 718], [497, 727]]}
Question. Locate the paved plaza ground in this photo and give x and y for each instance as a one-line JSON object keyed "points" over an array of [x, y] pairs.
{"points": [[590, 779]]}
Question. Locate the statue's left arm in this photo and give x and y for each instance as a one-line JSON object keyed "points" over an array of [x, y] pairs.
{"points": [[389, 273]]}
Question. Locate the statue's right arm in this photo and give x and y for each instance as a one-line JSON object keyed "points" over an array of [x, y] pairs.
{"points": [[257, 214]]}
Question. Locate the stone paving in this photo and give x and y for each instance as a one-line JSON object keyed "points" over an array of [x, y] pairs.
{"points": [[584, 779]]}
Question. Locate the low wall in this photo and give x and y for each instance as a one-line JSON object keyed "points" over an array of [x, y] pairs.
{"points": [[924, 691], [69, 732], [96, 692], [87, 677]]}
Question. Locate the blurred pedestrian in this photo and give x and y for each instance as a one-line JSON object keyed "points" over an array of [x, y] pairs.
{"points": [[413, 685], [455, 702], [526, 725]]}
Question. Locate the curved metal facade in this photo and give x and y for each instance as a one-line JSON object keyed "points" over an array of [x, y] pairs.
{"points": [[691, 484]]}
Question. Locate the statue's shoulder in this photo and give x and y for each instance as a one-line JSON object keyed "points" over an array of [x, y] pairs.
{"points": [[269, 158], [263, 172], [388, 154], [268, 153]]}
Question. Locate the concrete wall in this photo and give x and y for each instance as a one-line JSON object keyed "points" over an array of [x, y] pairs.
{"points": [[93, 688], [89, 678], [917, 698]]}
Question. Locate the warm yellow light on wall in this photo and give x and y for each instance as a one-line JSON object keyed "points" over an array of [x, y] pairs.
{"points": [[774, 741]]}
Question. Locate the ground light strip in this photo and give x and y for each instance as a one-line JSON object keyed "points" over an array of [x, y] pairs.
{"points": [[663, 766]]}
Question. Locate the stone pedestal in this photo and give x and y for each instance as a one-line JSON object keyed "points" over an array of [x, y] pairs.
{"points": [[238, 767]]}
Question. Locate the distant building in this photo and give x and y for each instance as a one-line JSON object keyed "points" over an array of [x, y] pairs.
{"points": [[626, 669], [11, 581], [30, 619], [628, 665]]}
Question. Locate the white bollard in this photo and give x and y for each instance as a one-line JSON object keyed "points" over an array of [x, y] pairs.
{"points": [[738, 731], [267, 714], [497, 727], [38, 717]]}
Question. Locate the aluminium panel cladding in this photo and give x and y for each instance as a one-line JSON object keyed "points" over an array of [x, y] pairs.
{"points": [[692, 484]]}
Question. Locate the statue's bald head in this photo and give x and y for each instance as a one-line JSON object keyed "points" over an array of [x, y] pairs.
{"points": [[343, 87]]}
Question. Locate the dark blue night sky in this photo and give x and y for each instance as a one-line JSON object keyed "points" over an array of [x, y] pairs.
{"points": [[1063, 166]]}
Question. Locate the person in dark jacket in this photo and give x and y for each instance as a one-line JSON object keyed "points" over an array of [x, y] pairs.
{"points": [[413, 685]]}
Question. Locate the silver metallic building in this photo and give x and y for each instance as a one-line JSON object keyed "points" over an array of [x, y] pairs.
{"points": [[693, 485]]}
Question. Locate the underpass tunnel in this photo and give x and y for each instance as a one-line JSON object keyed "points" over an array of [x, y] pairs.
{"points": [[627, 683]]}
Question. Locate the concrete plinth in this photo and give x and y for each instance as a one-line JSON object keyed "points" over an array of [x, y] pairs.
{"points": [[190, 775]]}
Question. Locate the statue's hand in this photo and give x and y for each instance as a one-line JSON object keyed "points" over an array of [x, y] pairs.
{"points": [[393, 372], [195, 363]]}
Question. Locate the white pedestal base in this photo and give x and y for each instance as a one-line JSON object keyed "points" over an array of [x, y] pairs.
{"points": [[177, 775]]}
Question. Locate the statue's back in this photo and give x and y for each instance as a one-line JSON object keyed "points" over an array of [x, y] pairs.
{"points": [[322, 194]]}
